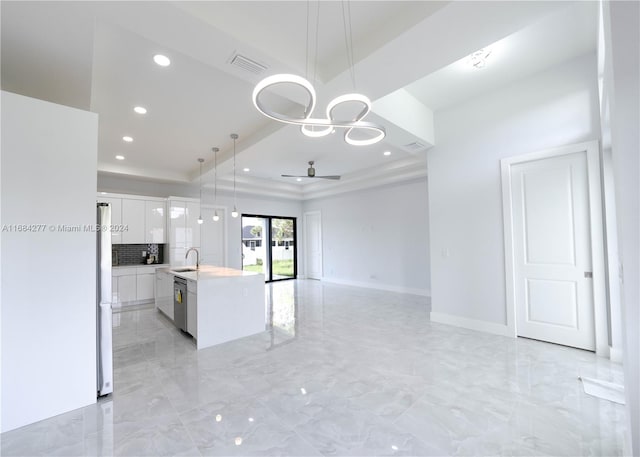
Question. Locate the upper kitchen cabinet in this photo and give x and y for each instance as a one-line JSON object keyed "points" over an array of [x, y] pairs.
{"points": [[155, 221], [184, 230], [137, 219], [177, 220], [133, 217]]}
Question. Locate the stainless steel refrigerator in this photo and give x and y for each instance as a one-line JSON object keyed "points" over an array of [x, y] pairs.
{"points": [[104, 356]]}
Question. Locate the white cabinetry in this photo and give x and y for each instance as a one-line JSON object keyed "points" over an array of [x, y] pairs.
{"points": [[155, 221], [133, 285], [124, 285], [164, 293], [145, 282], [133, 212], [184, 230], [192, 308], [143, 219]]}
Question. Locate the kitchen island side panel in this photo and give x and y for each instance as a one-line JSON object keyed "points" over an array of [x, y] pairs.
{"points": [[230, 308]]}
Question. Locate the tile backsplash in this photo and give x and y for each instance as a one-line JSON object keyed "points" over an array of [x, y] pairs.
{"points": [[131, 254]]}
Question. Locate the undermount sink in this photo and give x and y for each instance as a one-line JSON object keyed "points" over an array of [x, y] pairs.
{"points": [[184, 269]]}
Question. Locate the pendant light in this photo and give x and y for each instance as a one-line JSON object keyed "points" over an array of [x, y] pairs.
{"points": [[200, 220], [234, 213], [216, 218], [321, 126]]}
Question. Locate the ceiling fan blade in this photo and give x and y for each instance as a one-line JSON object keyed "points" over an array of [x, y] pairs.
{"points": [[335, 177]]}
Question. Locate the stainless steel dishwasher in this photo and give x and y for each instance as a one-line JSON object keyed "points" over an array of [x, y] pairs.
{"points": [[180, 303]]}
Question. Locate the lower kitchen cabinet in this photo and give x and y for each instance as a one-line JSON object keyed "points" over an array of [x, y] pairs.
{"points": [[164, 293], [133, 285], [124, 285], [145, 283]]}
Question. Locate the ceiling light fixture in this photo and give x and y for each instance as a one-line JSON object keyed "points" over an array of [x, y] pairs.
{"points": [[298, 179], [234, 213], [319, 127], [120, 157], [161, 60], [200, 220], [128, 139], [246, 170], [479, 58], [140, 110], [387, 153], [216, 218]]}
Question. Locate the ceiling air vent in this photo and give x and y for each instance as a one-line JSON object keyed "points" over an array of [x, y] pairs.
{"points": [[247, 64], [415, 146]]}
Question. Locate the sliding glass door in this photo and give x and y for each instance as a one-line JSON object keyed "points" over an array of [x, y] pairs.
{"points": [[269, 246], [283, 248]]}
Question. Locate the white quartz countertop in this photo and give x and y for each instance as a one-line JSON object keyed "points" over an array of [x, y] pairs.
{"points": [[208, 272], [138, 265]]}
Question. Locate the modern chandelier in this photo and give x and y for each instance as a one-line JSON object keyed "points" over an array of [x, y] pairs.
{"points": [[319, 127]]}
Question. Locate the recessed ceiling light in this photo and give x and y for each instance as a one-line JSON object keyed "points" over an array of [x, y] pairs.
{"points": [[298, 179], [120, 157], [128, 139], [387, 153], [246, 170], [140, 110], [161, 60]]}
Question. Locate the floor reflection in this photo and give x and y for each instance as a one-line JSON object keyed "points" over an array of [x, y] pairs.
{"points": [[340, 371], [282, 311]]}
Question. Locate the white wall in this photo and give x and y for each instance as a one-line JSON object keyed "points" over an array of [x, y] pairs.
{"points": [[49, 158], [377, 237], [553, 108], [247, 204], [622, 81]]}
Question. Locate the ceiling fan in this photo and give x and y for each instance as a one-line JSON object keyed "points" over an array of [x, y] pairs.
{"points": [[311, 173]]}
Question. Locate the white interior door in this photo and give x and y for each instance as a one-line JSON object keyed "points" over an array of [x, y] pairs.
{"points": [[313, 244], [552, 250]]}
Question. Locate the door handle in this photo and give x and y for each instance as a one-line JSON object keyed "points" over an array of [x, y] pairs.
{"points": [[588, 274]]}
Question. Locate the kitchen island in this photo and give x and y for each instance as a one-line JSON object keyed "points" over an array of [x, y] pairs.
{"points": [[223, 304]]}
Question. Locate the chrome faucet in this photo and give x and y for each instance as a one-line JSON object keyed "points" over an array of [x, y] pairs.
{"points": [[197, 256]]}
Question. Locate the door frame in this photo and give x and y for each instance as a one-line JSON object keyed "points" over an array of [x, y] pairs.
{"points": [[268, 240], [306, 240], [592, 151]]}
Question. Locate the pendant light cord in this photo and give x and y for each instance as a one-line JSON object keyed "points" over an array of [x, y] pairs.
{"points": [[200, 215], [234, 136], [215, 176], [348, 39], [315, 62], [308, 46]]}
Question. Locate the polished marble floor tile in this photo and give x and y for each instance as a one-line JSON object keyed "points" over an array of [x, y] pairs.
{"points": [[339, 371]]}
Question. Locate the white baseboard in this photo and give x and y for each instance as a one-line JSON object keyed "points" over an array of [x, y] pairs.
{"points": [[378, 286], [472, 324], [615, 354]]}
